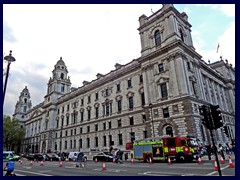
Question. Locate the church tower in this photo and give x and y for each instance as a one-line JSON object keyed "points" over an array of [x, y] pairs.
{"points": [[23, 105]]}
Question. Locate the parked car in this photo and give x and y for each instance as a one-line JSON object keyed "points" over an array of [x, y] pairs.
{"points": [[55, 157], [105, 156], [35, 157]]}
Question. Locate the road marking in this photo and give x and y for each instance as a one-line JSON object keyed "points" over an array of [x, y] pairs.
{"points": [[111, 170], [33, 173], [44, 171], [214, 172], [157, 173]]}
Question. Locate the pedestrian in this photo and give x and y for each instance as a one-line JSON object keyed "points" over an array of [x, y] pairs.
{"points": [[9, 167], [208, 146], [119, 155], [220, 150], [80, 160], [110, 149], [126, 156]]}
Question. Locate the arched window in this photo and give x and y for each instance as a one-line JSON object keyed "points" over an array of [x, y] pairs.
{"points": [[169, 131], [62, 76], [157, 38], [181, 34]]}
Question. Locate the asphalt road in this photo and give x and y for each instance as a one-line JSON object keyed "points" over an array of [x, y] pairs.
{"points": [[125, 169]]}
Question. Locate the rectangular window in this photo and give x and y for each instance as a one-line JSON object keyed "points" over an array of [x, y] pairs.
{"points": [[131, 121], [107, 108], [82, 102], [96, 141], [63, 109], [144, 117], [194, 89], [109, 125], [161, 67], [96, 112], [144, 134], [80, 130], [164, 90], [66, 133], [96, 127], [75, 131], [129, 83], [104, 141], [119, 105], [141, 79], [132, 136], [67, 120], [88, 142], [104, 126], [119, 122], [165, 113], [96, 95], [120, 140], [89, 114], [82, 117], [107, 93], [62, 87], [68, 107], [80, 143], [130, 99], [89, 98], [71, 132], [118, 88], [143, 99], [188, 66], [88, 129]]}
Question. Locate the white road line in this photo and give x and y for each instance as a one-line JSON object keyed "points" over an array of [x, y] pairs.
{"points": [[33, 173], [214, 172]]}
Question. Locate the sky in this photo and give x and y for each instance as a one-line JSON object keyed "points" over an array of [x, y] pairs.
{"points": [[91, 39]]}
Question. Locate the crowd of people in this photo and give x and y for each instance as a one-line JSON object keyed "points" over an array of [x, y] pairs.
{"points": [[222, 149]]}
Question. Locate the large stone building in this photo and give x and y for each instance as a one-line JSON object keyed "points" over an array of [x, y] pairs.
{"points": [[158, 93]]}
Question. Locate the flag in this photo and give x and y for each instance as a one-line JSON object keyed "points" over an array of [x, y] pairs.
{"points": [[218, 47]]}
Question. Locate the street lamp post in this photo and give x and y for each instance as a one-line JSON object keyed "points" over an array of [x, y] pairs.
{"points": [[9, 59], [151, 106]]}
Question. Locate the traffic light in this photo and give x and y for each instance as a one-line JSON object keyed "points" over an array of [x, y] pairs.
{"points": [[225, 130], [204, 111], [217, 117]]}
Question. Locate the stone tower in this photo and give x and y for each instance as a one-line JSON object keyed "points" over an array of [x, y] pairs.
{"points": [[22, 105], [58, 85]]}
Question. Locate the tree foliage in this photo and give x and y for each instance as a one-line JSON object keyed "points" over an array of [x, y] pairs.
{"points": [[13, 132]]}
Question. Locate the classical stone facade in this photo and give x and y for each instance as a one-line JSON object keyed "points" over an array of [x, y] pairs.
{"points": [[156, 94]]}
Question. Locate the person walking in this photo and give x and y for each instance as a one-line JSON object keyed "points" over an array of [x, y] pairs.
{"points": [[220, 149], [208, 146], [119, 155], [80, 160], [9, 167]]}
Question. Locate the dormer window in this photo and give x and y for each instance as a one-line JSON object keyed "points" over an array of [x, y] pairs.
{"points": [[157, 38]]}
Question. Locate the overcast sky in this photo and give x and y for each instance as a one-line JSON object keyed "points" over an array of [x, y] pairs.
{"points": [[91, 39]]}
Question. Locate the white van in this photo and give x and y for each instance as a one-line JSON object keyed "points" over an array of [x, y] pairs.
{"points": [[73, 156]]}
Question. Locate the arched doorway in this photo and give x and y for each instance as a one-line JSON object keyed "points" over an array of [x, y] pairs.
{"points": [[169, 131]]}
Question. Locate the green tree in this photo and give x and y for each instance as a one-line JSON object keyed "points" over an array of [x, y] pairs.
{"points": [[13, 133]]}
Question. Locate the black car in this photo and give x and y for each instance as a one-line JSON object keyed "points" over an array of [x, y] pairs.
{"points": [[105, 156], [35, 157], [55, 157]]}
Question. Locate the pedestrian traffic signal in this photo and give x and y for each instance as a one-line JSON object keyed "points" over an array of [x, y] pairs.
{"points": [[216, 116], [204, 112], [225, 130]]}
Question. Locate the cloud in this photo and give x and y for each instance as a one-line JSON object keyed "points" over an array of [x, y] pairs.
{"points": [[8, 33], [228, 9]]}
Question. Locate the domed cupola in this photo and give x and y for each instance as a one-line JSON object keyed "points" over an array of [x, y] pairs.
{"points": [[60, 81]]}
